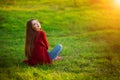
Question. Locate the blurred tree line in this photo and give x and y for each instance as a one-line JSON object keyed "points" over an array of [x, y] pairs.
{"points": [[90, 1], [74, 2], [8, 2]]}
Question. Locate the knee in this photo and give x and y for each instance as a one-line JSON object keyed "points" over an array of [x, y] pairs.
{"points": [[60, 45]]}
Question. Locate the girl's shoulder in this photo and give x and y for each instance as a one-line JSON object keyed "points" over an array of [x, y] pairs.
{"points": [[41, 32]]}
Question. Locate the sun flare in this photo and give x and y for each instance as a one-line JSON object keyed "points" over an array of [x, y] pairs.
{"points": [[117, 2]]}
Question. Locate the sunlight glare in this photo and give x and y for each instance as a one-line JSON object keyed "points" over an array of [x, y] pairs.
{"points": [[118, 2]]}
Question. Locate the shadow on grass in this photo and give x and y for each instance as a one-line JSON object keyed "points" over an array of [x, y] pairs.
{"points": [[3, 56], [110, 66], [7, 50]]}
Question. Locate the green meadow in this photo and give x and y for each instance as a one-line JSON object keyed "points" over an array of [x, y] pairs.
{"points": [[89, 31]]}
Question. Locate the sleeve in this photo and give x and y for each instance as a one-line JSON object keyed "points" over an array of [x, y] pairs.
{"points": [[45, 39]]}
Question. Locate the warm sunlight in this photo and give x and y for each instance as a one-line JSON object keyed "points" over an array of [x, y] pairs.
{"points": [[115, 4], [118, 2]]}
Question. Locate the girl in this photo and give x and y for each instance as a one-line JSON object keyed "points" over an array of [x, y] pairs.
{"points": [[36, 45]]}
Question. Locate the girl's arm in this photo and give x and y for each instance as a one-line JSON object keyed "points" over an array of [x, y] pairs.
{"points": [[45, 40]]}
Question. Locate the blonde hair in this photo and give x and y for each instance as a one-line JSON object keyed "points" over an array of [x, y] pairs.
{"points": [[30, 36]]}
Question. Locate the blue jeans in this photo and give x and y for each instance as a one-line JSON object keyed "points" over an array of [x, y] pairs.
{"points": [[55, 52]]}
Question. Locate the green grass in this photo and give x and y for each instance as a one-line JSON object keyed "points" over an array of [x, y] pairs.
{"points": [[88, 32]]}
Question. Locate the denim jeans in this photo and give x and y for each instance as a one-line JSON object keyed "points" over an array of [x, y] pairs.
{"points": [[55, 52]]}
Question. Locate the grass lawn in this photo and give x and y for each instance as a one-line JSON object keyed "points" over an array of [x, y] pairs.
{"points": [[89, 33]]}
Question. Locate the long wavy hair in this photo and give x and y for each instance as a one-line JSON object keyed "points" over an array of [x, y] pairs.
{"points": [[30, 36]]}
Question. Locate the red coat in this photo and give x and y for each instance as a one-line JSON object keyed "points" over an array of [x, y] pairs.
{"points": [[40, 50]]}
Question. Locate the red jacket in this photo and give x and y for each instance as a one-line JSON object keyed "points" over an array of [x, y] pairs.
{"points": [[40, 53]]}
